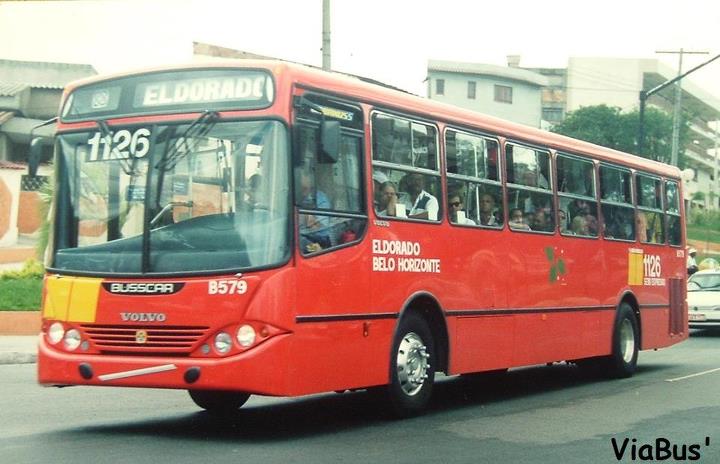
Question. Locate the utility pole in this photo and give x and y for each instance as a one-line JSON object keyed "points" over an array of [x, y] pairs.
{"points": [[678, 104], [326, 36], [644, 95]]}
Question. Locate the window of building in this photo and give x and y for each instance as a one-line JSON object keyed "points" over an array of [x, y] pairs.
{"points": [[503, 93], [439, 86], [471, 90], [552, 114]]}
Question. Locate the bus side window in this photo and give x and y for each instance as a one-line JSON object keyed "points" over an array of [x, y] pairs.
{"points": [[616, 200], [672, 213], [405, 166], [530, 191]]}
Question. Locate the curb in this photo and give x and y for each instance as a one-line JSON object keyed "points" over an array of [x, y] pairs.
{"points": [[14, 357]]}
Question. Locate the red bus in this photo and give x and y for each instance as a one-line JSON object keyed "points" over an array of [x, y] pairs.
{"points": [[260, 227]]}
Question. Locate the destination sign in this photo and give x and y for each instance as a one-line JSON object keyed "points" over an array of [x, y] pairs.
{"points": [[171, 91], [213, 89]]}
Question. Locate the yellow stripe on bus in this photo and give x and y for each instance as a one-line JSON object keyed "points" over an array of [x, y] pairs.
{"points": [[635, 269], [71, 298], [57, 297]]}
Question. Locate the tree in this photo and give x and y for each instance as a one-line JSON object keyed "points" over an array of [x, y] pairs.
{"points": [[609, 127]]}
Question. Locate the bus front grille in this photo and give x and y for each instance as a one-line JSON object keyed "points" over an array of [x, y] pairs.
{"points": [[139, 339]]}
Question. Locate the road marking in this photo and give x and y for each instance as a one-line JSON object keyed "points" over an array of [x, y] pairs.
{"points": [[693, 375]]}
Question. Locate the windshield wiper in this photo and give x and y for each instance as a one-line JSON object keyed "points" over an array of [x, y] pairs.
{"points": [[197, 129]]}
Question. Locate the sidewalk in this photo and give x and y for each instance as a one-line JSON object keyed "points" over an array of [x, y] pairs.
{"points": [[18, 349]]}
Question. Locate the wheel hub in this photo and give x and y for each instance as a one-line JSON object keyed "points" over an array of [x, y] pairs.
{"points": [[412, 363], [627, 341]]}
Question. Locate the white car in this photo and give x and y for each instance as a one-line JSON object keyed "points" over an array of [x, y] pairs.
{"points": [[704, 299]]}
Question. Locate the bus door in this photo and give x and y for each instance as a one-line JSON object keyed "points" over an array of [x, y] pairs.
{"points": [[333, 262]]}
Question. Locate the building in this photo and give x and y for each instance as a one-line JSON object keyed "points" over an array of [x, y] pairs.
{"points": [[202, 50], [30, 94], [506, 92]]}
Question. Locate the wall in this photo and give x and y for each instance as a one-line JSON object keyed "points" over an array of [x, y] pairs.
{"points": [[43, 104], [526, 100], [5, 147], [603, 81], [9, 203], [29, 207]]}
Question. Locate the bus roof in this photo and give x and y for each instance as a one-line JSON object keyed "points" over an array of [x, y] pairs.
{"points": [[379, 94]]}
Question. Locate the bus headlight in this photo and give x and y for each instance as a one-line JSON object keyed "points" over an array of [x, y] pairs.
{"points": [[56, 333], [246, 335], [223, 342], [72, 339]]}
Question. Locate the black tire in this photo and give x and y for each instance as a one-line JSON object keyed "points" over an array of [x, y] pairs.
{"points": [[622, 362], [412, 367], [219, 402]]}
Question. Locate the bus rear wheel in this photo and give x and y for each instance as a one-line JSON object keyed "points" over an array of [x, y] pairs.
{"points": [[412, 370], [219, 402], [626, 344]]}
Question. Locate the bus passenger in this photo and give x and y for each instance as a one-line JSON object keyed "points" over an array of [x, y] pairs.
{"points": [[379, 178], [422, 204], [487, 210], [579, 226], [455, 206], [252, 192], [314, 234], [578, 207], [592, 224], [641, 226], [517, 221], [562, 221], [388, 199], [542, 220]]}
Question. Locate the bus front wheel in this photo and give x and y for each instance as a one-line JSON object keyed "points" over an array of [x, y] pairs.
{"points": [[412, 367], [219, 402]]}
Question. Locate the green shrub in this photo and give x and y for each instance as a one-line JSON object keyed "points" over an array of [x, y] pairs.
{"points": [[704, 218], [20, 294], [32, 269]]}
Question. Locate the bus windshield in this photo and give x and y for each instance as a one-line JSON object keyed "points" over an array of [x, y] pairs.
{"points": [[173, 198]]}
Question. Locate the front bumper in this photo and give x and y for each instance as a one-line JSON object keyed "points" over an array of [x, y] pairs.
{"points": [[259, 370], [699, 318]]}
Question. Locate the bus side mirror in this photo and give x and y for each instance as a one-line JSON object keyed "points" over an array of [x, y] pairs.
{"points": [[34, 156], [330, 140]]}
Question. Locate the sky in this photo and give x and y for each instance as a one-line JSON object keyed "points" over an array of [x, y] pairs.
{"points": [[387, 40]]}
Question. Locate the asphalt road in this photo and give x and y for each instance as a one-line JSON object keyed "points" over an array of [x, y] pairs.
{"points": [[555, 414]]}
